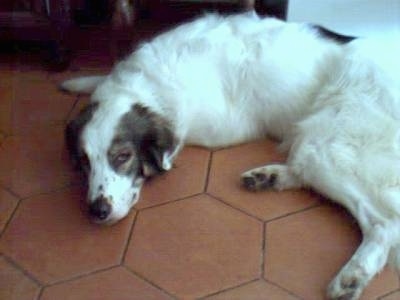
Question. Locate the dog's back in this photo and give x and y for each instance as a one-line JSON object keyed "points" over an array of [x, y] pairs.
{"points": [[225, 71]]}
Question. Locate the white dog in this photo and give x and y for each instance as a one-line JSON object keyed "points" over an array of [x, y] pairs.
{"points": [[333, 101]]}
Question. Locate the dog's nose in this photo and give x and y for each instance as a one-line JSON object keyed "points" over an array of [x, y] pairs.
{"points": [[100, 208]]}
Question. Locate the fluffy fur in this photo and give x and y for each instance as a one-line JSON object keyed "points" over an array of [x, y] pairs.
{"points": [[219, 81]]}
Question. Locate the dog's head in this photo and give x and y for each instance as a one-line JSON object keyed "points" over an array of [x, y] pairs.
{"points": [[118, 147]]}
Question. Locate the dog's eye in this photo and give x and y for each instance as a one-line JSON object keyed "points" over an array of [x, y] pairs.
{"points": [[122, 158]]}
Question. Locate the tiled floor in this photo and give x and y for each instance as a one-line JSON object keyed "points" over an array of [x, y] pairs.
{"points": [[195, 233]]}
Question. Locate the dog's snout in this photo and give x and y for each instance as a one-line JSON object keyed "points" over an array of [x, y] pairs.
{"points": [[100, 208]]}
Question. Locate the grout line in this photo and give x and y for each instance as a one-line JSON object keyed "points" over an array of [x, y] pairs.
{"points": [[10, 191], [381, 297], [19, 201], [283, 289], [149, 281], [55, 190], [172, 201], [23, 270], [228, 289], [263, 249], [79, 276], [234, 207], [39, 295], [22, 199], [68, 115], [128, 240], [295, 212], [210, 158]]}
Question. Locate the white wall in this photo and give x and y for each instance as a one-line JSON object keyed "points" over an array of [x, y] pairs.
{"points": [[354, 17]]}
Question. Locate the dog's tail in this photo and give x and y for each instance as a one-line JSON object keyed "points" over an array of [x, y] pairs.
{"points": [[82, 85]]}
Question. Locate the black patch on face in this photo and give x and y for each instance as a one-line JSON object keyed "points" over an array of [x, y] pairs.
{"points": [[334, 36], [73, 131], [149, 135]]}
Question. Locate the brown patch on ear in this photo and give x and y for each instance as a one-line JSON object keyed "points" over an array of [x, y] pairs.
{"points": [[73, 130], [151, 134]]}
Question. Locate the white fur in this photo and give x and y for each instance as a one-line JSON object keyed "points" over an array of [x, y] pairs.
{"points": [[227, 80]]}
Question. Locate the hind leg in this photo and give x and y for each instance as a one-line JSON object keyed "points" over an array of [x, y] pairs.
{"points": [[317, 167], [367, 261], [274, 176]]}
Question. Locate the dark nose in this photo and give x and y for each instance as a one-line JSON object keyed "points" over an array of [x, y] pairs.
{"points": [[100, 208]]}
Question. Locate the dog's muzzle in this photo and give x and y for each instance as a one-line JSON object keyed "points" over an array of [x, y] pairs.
{"points": [[100, 209]]}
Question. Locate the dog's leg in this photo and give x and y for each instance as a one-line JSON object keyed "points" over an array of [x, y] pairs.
{"points": [[274, 176], [368, 260]]}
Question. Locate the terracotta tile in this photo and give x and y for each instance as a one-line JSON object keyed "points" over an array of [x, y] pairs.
{"points": [[305, 251], [394, 296], [53, 239], [2, 137], [117, 283], [186, 178], [39, 104], [7, 205], [383, 283], [224, 182], [14, 285], [195, 247], [259, 290], [6, 100], [36, 163]]}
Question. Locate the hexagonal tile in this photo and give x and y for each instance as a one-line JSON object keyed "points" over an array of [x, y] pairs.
{"points": [[306, 250], [187, 178], [15, 285], [53, 239], [6, 103], [8, 203], [383, 283], [2, 137], [394, 296], [39, 105], [224, 182], [36, 163], [196, 246], [258, 290], [117, 283]]}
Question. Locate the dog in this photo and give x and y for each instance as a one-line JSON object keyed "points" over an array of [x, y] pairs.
{"points": [[333, 101]]}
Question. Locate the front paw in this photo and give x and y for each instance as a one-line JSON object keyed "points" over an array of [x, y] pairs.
{"points": [[258, 180]]}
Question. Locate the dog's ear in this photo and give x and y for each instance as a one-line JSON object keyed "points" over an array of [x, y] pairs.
{"points": [[153, 136], [73, 130], [160, 148]]}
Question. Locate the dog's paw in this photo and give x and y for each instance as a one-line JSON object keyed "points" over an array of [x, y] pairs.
{"points": [[346, 286], [258, 180], [276, 176]]}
